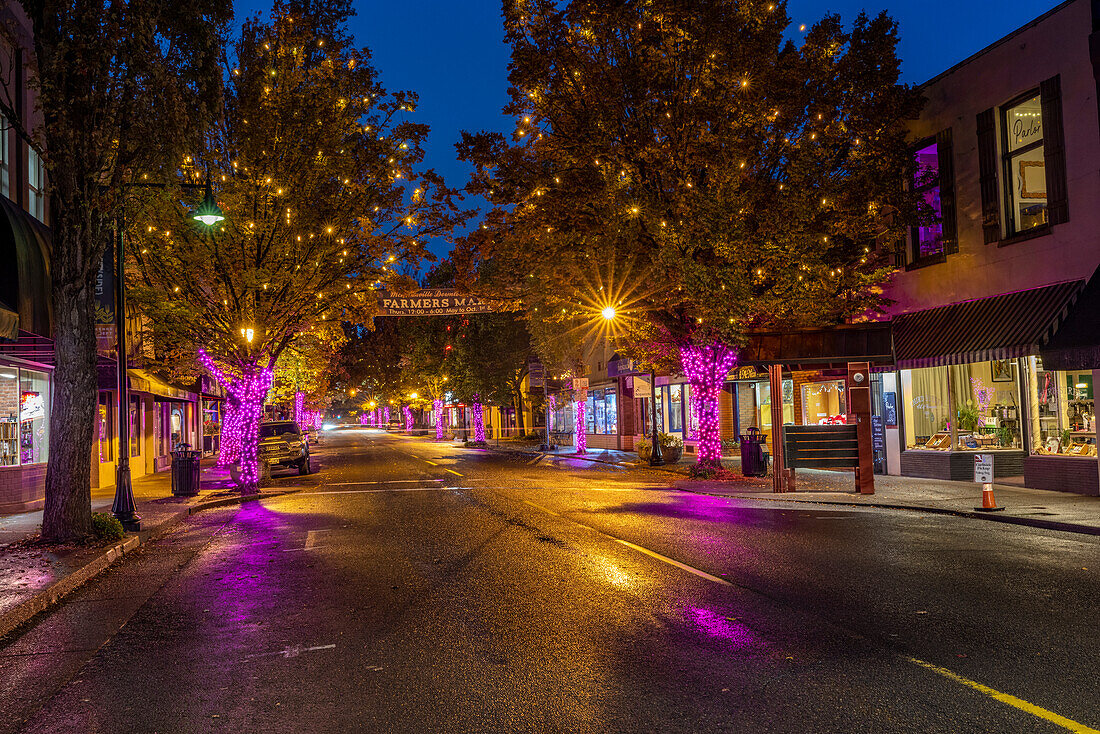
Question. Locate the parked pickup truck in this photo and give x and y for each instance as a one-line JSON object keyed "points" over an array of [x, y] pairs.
{"points": [[283, 443]]}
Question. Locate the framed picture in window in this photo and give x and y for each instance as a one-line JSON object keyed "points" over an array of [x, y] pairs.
{"points": [[1033, 180], [1001, 369]]}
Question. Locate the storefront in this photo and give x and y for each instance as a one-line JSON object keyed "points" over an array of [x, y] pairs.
{"points": [[971, 382], [24, 434]]}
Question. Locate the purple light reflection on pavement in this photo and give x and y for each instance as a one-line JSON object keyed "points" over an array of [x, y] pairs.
{"points": [[723, 628]]}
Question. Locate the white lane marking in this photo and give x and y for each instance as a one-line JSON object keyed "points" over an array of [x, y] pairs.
{"points": [[398, 489], [311, 538], [640, 549], [386, 481], [292, 651]]}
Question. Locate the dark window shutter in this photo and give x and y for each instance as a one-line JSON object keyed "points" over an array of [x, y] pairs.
{"points": [[987, 176], [947, 192], [1054, 151]]}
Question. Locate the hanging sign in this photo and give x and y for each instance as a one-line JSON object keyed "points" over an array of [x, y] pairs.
{"points": [[105, 304], [536, 374], [431, 302], [576, 383], [641, 387]]}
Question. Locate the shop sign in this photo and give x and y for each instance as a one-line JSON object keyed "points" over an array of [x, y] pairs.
{"points": [[878, 434], [746, 372], [640, 386], [575, 383], [621, 367], [983, 468], [430, 302], [665, 380], [890, 409]]}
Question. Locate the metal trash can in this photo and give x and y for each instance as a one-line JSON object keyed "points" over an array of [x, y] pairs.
{"points": [[185, 472], [754, 463]]}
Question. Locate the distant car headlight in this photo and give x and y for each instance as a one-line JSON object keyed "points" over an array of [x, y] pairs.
{"points": [[328, 426]]}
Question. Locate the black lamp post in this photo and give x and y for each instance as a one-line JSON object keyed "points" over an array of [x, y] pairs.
{"points": [[124, 508], [655, 458]]}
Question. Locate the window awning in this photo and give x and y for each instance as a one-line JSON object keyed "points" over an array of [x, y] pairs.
{"points": [[25, 268], [999, 327], [817, 349], [1076, 343], [142, 381], [9, 323]]}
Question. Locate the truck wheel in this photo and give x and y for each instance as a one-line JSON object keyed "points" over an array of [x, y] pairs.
{"points": [[303, 467]]}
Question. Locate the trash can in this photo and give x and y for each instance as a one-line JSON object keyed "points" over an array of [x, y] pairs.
{"points": [[753, 461], [185, 472]]}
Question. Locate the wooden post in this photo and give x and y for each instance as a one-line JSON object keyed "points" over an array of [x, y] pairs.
{"points": [[859, 410], [779, 474]]}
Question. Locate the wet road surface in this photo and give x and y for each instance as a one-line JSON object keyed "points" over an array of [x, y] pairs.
{"points": [[414, 587]]}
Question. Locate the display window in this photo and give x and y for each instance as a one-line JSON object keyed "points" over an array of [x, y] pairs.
{"points": [[135, 427], [982, 399], [754, 405], [24, 416], [9, 416], [1063, 413], [675, 408], [1024, 164], [601, 412], [103, 425], [824, 403]]}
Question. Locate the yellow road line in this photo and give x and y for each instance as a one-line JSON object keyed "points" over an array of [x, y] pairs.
{"points": [[1037, 711], [670, 561], [452, 471], [431, 462], [540, 507]]}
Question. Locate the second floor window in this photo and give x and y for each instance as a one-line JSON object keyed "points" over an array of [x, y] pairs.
{"points": [[36, 186], [928, 235], [1024, 165]]}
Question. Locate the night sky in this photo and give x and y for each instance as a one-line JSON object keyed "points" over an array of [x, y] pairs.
{"points": [[451, 52]]}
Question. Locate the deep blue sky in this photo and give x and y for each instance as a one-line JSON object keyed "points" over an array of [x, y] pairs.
{"points": [[451, 52]]}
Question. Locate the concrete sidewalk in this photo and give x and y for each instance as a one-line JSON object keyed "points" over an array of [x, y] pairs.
{"points": [[32, 577]]}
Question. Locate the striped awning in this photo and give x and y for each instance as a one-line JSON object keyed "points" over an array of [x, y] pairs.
{"points": [[1076, 344], [999, 327]]}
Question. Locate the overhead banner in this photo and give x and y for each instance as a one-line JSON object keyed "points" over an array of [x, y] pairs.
{"points": [[431, 302]]}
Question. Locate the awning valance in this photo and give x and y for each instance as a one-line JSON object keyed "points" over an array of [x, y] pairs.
{"points": [[999, 327], [1076, 343], [142, 381], [25, 268], [817, 349]]}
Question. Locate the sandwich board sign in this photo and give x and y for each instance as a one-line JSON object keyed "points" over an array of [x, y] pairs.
{"points": [[983, 468]]}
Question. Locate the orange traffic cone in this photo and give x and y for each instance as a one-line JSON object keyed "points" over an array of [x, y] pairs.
{"points": [[989, 504]]}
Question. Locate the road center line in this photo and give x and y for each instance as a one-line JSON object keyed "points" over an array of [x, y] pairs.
{"points": [[540, 507], [395, 489], [452, 471], [1009, 699], [429, 461]]}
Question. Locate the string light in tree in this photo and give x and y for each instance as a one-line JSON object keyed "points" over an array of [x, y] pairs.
{"points": [[706, 368], [479, 420], [386, 414], [437, 409], [408, 418], [299, 407], [580, 438], [250, 391]]}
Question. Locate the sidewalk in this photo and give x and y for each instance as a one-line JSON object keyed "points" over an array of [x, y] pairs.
{"points": [[1031, 507], [34, 577]]}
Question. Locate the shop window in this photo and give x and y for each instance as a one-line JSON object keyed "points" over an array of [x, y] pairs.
{"points": [[176, 425], [1024, 166], [982, 399], [106, 453], [36, 185], [1063, 418], [34, 424], [9, 416], [601, 412], [135, 427], [824, 403], [675, 408]]}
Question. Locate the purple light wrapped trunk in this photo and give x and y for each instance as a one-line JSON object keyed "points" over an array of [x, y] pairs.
{"points": [[580, 437], [706, 368], [437, 408], [408, 418], [479, 420], [248, 392]]}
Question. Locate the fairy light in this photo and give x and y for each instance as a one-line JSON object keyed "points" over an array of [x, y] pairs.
{"points": [[407, 411], [386, 414], [479, 420], [437, 408], [249, 391], [299, 407], [706, 368], [580, 438]]}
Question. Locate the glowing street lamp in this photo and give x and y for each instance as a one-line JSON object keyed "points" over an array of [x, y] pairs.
{"points": [[608, 313], [208, 212], [248, 333]]}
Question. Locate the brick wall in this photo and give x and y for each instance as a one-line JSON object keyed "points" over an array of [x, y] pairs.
{"points": [[22, 488]]}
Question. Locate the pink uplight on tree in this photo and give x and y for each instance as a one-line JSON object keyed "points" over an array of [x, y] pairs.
{"points": [[580, 437], [479, 420], [437, 408], [407, 411], [299, 408], [363, 419], [386, 415], [249, 390], [706, 368]]}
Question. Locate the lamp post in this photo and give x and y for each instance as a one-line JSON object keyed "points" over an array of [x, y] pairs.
{"points": [[655, 459], [123, 507]]}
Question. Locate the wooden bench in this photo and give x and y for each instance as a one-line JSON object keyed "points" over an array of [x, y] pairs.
{"points": [[820, 447]]}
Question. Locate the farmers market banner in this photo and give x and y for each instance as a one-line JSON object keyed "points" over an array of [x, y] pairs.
{"points": [[431, 302]]}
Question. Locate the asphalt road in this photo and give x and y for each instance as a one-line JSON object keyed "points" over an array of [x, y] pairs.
{"points": [[420, 587]]}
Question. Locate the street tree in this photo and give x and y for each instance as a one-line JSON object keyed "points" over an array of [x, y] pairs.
{"points": [[740, 178], [318, 173], [121, 90]]}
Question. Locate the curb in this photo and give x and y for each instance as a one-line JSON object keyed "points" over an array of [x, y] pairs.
{"points": [[1006, 519], [66, 585]]}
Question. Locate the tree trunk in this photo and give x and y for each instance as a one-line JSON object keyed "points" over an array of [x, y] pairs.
{"points": [[518, 396], [68, 511], [706, 368]]}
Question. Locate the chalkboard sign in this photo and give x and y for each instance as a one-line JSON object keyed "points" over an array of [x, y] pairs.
{"points": [[878, 434], [890, 408]]}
